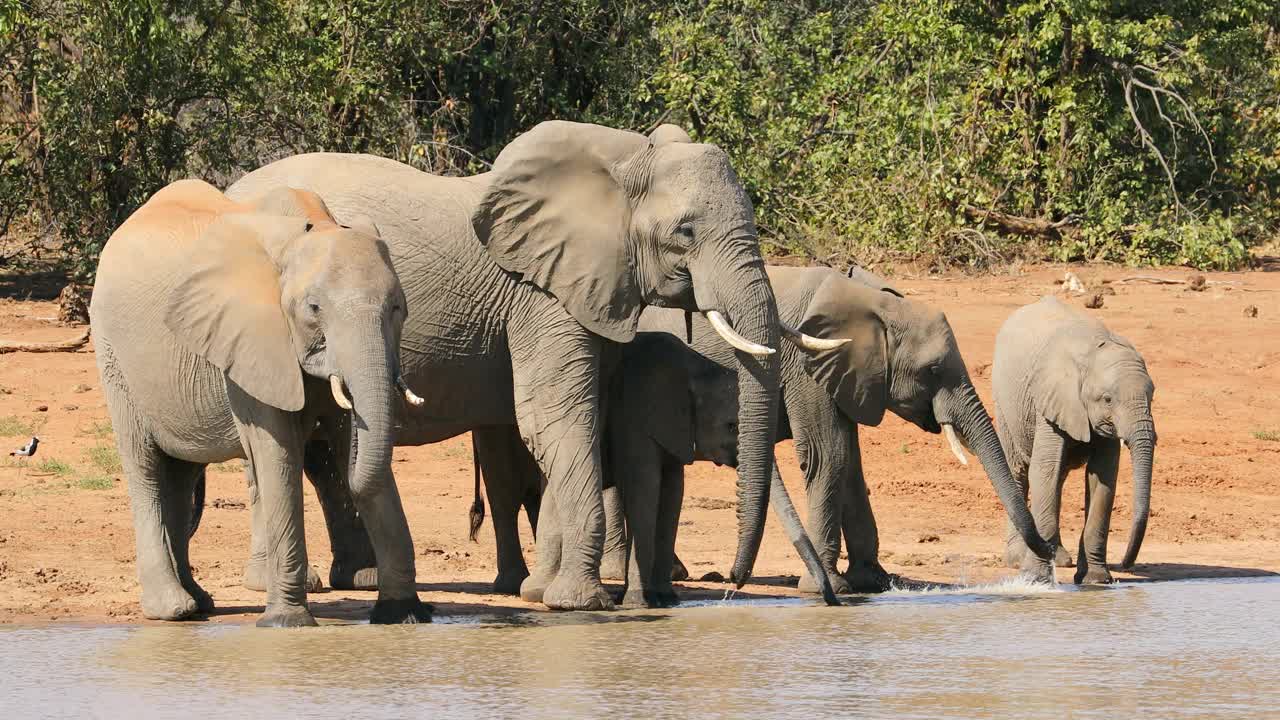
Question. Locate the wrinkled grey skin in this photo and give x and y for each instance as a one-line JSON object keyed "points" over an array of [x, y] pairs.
{"points": [[1068, 392], [902, 358], [216, 330], [670, 406], [522, 281]]}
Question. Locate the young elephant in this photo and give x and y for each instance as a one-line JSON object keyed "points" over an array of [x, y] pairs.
{"points": [[670, 406], [228, 330], [1068, 392]]}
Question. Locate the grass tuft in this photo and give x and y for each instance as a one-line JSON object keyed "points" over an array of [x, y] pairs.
{"points": [[1267, 435], [105, 458], [95, 482], [100, 430], [55, 466], [14, 426]]}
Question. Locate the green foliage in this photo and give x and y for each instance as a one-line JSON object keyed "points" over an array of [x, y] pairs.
{"points": [[1266, 435], [98, 429], [55, 466], [105, 458], [95, 482], [962, 131], [14, 426]]}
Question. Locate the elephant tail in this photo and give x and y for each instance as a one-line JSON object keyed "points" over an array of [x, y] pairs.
{"points": [[197, 505], [477, 507]]}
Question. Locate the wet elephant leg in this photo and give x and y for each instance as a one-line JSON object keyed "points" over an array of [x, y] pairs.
{"points": [[861, 535], [176, 498], [670, 499], [613, 565], [547, 549], [1100, 497], [325, 460], [823, 451], [1048, 469], [637, 466], [506, 466]]}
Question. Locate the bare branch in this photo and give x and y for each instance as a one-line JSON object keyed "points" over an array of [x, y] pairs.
{"points": [[9, 346]]}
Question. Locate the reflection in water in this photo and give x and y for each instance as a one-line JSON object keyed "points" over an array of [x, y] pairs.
{"points": [[1185, 649]]}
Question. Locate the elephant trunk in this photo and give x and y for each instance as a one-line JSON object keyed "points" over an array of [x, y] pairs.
{"points": [[369, 364], [962, 408], [1142, 441], [740, 290]]}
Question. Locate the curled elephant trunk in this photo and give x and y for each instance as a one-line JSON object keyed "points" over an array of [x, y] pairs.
{"points": [[740, 291], [1141, 440], [962, 408]]}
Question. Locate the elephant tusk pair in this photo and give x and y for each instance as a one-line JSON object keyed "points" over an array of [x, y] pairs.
{"points": [[410, 396], [726, 331], [809, 342], [339, 395], [954, 441]]}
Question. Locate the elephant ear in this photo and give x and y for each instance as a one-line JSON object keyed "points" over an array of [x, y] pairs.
{"points": [[656, 395], [1057, 387], [856, 374], [225, 307], [557, 212], [871, 280]]}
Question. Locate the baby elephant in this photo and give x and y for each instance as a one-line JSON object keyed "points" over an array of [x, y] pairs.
{"points": [[670, 406], [1068, 392]]}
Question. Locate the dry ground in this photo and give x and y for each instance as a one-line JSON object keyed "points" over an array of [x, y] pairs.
{"points": [[66, 539]]}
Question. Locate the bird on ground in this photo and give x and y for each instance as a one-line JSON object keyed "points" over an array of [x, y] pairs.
{"points": [[29, 450]]}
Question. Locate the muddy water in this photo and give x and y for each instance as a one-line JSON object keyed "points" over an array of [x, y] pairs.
{"points": [[1180, 649]]}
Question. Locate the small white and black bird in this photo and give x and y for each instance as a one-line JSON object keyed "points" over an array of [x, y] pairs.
{"points": [[29, 450]]}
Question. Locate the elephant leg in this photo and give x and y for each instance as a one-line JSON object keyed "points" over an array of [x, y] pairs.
{"points": [[670, 500], [255, 569], [613, 565], [823, 449], [1099, 498], [556, 379], [504, 461], [861, 536], [637, 469], [180, 483], [325, 461], [273, 445], [1047, 471], [547, 548]]}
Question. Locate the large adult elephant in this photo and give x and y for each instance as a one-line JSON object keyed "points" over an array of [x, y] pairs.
{"points": [[522, 279], [901, 357], [227, 330], [1068, 391]]}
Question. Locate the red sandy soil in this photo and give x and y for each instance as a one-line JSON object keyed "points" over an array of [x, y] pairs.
{"points": [[66, 536]]}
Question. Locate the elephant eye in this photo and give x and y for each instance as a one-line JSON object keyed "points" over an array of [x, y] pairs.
{"points": [[685, 230], [314, 308], [1106, 399]]}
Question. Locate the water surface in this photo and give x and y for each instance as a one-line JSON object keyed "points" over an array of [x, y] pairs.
{"points": [[1170, 650]]}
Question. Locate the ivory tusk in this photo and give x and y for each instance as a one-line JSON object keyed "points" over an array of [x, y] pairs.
{"points": [[726, 331], [809, 342], [339, 395], [409, 396], [954, 442]]}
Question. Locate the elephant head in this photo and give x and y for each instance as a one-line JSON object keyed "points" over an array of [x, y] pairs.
{"points": [[282, 291], [610, 221], [902, 357], [1101, 387]]}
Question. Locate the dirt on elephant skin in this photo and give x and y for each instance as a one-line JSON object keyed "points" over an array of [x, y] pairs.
{"points": [[66, 536]]}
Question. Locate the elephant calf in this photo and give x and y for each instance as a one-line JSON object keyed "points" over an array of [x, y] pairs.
{"points": [[668, 407], [1068, 391]]}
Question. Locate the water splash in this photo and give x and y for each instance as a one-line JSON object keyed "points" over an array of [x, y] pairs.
{"points": [[1020, 584]]}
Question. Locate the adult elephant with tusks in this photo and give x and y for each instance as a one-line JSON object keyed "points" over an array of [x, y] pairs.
{"points": [[522, 279], [857, 349]]}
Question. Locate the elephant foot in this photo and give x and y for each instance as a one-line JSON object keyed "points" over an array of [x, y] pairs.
{"points": [[171, 602], [678, 570], [664, 597], [1093, 575], [1062, 558], [1014, 553], [866, 578], [255, 577], [566, 593], [509, 582], [633, 598], [349, 577], [839, 585], [613, 566], [400, 611], [286, 616], [534, 587], [1037, 570]]}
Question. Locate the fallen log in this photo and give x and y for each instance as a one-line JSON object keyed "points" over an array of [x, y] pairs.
{"points": [[8, 346], [1016, 224]]}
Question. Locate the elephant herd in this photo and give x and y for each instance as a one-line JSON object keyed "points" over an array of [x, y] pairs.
{"points": [[596, 312]]}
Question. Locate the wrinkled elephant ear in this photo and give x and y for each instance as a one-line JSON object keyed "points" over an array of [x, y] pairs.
{"points": [[1057, 386], [668, 133], [226, 308], [855, 374], [557, 211], [656, 396]]}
